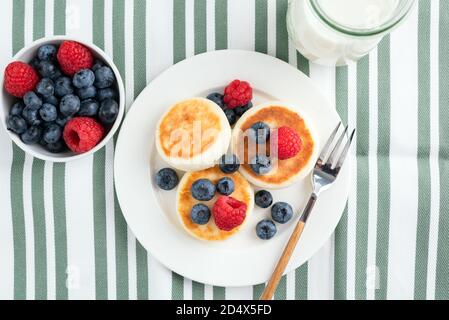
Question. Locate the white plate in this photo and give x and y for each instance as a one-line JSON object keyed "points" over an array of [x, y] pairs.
{"points": [[150, 213]]}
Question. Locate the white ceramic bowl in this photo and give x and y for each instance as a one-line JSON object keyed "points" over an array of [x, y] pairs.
{"points": [[6, 101]]}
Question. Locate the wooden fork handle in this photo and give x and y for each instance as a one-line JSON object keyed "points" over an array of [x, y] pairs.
{"points": [[288, 251], [282, 263]]}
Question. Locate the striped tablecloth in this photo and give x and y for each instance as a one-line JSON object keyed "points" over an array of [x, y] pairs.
{"points": [[63, 236]]}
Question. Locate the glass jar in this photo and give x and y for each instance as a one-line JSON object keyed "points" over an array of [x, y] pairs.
{"points": [[331, 35]]}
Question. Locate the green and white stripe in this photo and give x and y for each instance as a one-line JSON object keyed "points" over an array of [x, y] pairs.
{"points": [[63, 235]]}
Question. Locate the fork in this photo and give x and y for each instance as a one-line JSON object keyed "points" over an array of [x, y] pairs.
{"points": [[324, 174]]}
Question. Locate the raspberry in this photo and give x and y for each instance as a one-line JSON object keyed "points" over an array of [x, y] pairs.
{"points": [[228, 213], [73, 57], [82, 134], [237, 93], [20, 78], [289, 142]]}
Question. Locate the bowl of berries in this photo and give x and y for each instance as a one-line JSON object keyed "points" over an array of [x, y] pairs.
{"points": [[62, 99]]}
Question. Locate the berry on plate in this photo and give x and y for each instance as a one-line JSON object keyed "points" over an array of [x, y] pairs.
{"points": [[228, 213], [203, 190], [237, 93], [263, 198], [200, 214], [217, 98], [167, 179], [259, 132], [288, 142], [230, 115], [19, 78], [108, 111], [73, 56], [225, 186], [281, 212], [261, 164], [240, 110], [266, 229], [82, 134], [229, 163]]}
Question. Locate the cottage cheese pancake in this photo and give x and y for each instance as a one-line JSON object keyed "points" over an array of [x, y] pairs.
{"points": [[185, 201], [283, 172], [193, 134]]}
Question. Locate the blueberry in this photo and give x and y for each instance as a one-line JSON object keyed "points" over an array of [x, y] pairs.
{"points": [[51, 100], [200, 214], [229, 163], [104, 77], [203, 190], [83, 78], [46, 52], [263, 198], [259, 132], [281, 212], [230, 115], [217, 98], [16, 124], [52, 133], [225, 186], [56, 147], [108, 111], [17, 108], [167, 179], [30, 98], [63, 86], [31, 115], [69, 105], [97, 64], [35, 63], [31, 135], [261, 164], [266, 229], [45, 87], [107, 93], [47, 69], [48, 112], [88, 108], [56, 74], [62, 120], [240, 110], [86, 93]]}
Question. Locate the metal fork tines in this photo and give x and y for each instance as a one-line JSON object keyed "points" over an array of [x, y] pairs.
{"points": [[328, 164]]}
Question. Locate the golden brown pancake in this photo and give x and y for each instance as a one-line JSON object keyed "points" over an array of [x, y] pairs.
{"points": [[243, 192], [192, 134], [284, 172]]}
